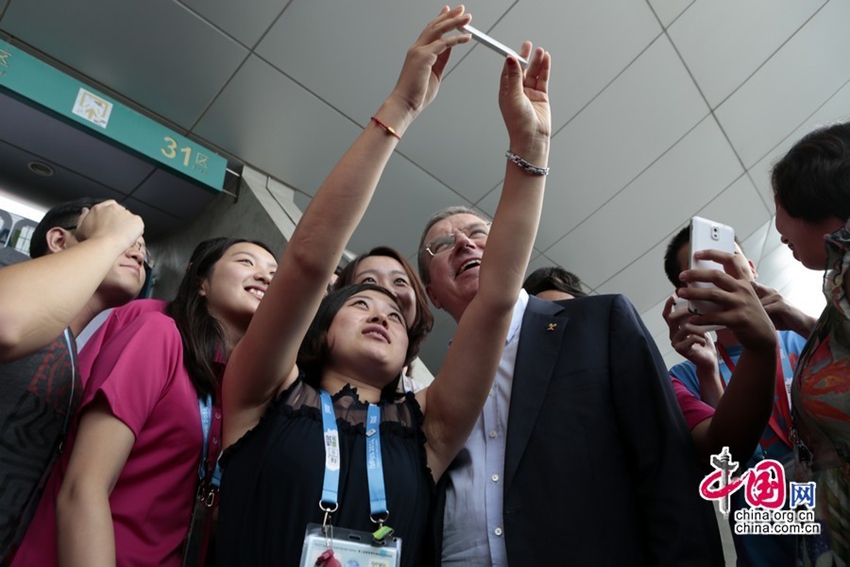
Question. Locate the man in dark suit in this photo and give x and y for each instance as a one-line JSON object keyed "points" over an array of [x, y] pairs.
{"points": [[581, 455]]}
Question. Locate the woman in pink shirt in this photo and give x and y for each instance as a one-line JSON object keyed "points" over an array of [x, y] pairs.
{"points": [[124, 489]]}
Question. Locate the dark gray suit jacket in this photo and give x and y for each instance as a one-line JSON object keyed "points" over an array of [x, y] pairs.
{"points": [[599, 466]]}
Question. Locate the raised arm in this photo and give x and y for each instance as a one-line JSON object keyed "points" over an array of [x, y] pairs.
{"points": [[40, 297], [744, 408], [264, 361], [455, 399]]}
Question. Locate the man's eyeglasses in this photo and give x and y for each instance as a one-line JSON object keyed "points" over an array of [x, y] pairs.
{"points": [[476, 233]]}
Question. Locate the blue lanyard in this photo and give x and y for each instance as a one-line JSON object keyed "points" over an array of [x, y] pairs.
{"points": [[205, 407], [375, 465], [374, 461]]}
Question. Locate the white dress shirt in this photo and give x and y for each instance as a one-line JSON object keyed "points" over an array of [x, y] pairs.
{"points": [[473, 532]]}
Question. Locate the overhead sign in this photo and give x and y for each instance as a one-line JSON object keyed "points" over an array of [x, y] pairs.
{"points": [[44, 85]]}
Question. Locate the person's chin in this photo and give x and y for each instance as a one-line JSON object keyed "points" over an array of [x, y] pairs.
{"points": [[121, 294], [469, 288]]}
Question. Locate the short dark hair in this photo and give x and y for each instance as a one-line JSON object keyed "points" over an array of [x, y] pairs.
{"points": [[423, 320], [200, 332], [553, 278], [315, 352], [63, 215], [812, 181], [421, 254], [671, 261]]}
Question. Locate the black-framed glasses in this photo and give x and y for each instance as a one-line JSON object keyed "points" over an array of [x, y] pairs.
{"points": [[477, 233]]}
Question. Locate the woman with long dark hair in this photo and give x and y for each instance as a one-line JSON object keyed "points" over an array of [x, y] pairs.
{"points": [[124, 490], [311, 388]]}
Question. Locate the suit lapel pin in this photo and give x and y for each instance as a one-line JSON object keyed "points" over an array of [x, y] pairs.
{"points": [[552, 326]]}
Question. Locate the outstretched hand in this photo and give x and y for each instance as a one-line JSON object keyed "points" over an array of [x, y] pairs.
{"points": [[784, 315], [524, 99], [426, 60]]}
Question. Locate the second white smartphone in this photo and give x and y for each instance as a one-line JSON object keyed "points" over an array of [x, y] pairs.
{"points": [[707, 234]]}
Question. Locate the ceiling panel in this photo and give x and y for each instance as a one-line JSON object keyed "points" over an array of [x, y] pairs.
{"points": [[836, 109], [466, 112], [156, 53], [798, 79], [739, 206], [754, 244], [288, 133], [717, 42], [245, 25], [631, 124], [590, 42], [316, 45], [669, 10], [681, 182]]}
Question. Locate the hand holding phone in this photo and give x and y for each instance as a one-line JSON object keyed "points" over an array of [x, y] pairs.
{"points": [[705, 235], [680, 305]]}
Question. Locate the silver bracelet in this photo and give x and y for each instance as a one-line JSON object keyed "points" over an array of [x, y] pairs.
{"points": [[533, 169]]}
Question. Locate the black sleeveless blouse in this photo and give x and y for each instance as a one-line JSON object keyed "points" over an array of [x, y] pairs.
{"points": [[272, 478]]}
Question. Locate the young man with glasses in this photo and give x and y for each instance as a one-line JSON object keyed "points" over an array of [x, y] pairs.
{"points": [[87, 256], [581, 453]]}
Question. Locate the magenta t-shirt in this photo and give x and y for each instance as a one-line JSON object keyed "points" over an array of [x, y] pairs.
{"points": [[139, 371], [695, 410]]}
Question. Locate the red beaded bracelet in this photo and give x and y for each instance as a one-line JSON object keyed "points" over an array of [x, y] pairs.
{"points": [[390, 130]]}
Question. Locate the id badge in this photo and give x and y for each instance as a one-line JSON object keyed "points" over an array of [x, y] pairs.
{"points": [[350, 548]]}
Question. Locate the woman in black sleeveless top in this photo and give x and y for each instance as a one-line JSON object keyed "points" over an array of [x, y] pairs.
{"points": [[355, 342]]}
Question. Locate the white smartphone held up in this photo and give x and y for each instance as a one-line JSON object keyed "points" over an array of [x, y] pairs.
{"points": [[496, 46], [708, 235]]}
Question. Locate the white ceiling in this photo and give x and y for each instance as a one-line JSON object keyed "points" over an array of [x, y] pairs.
{"points": [[662, 109]]}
